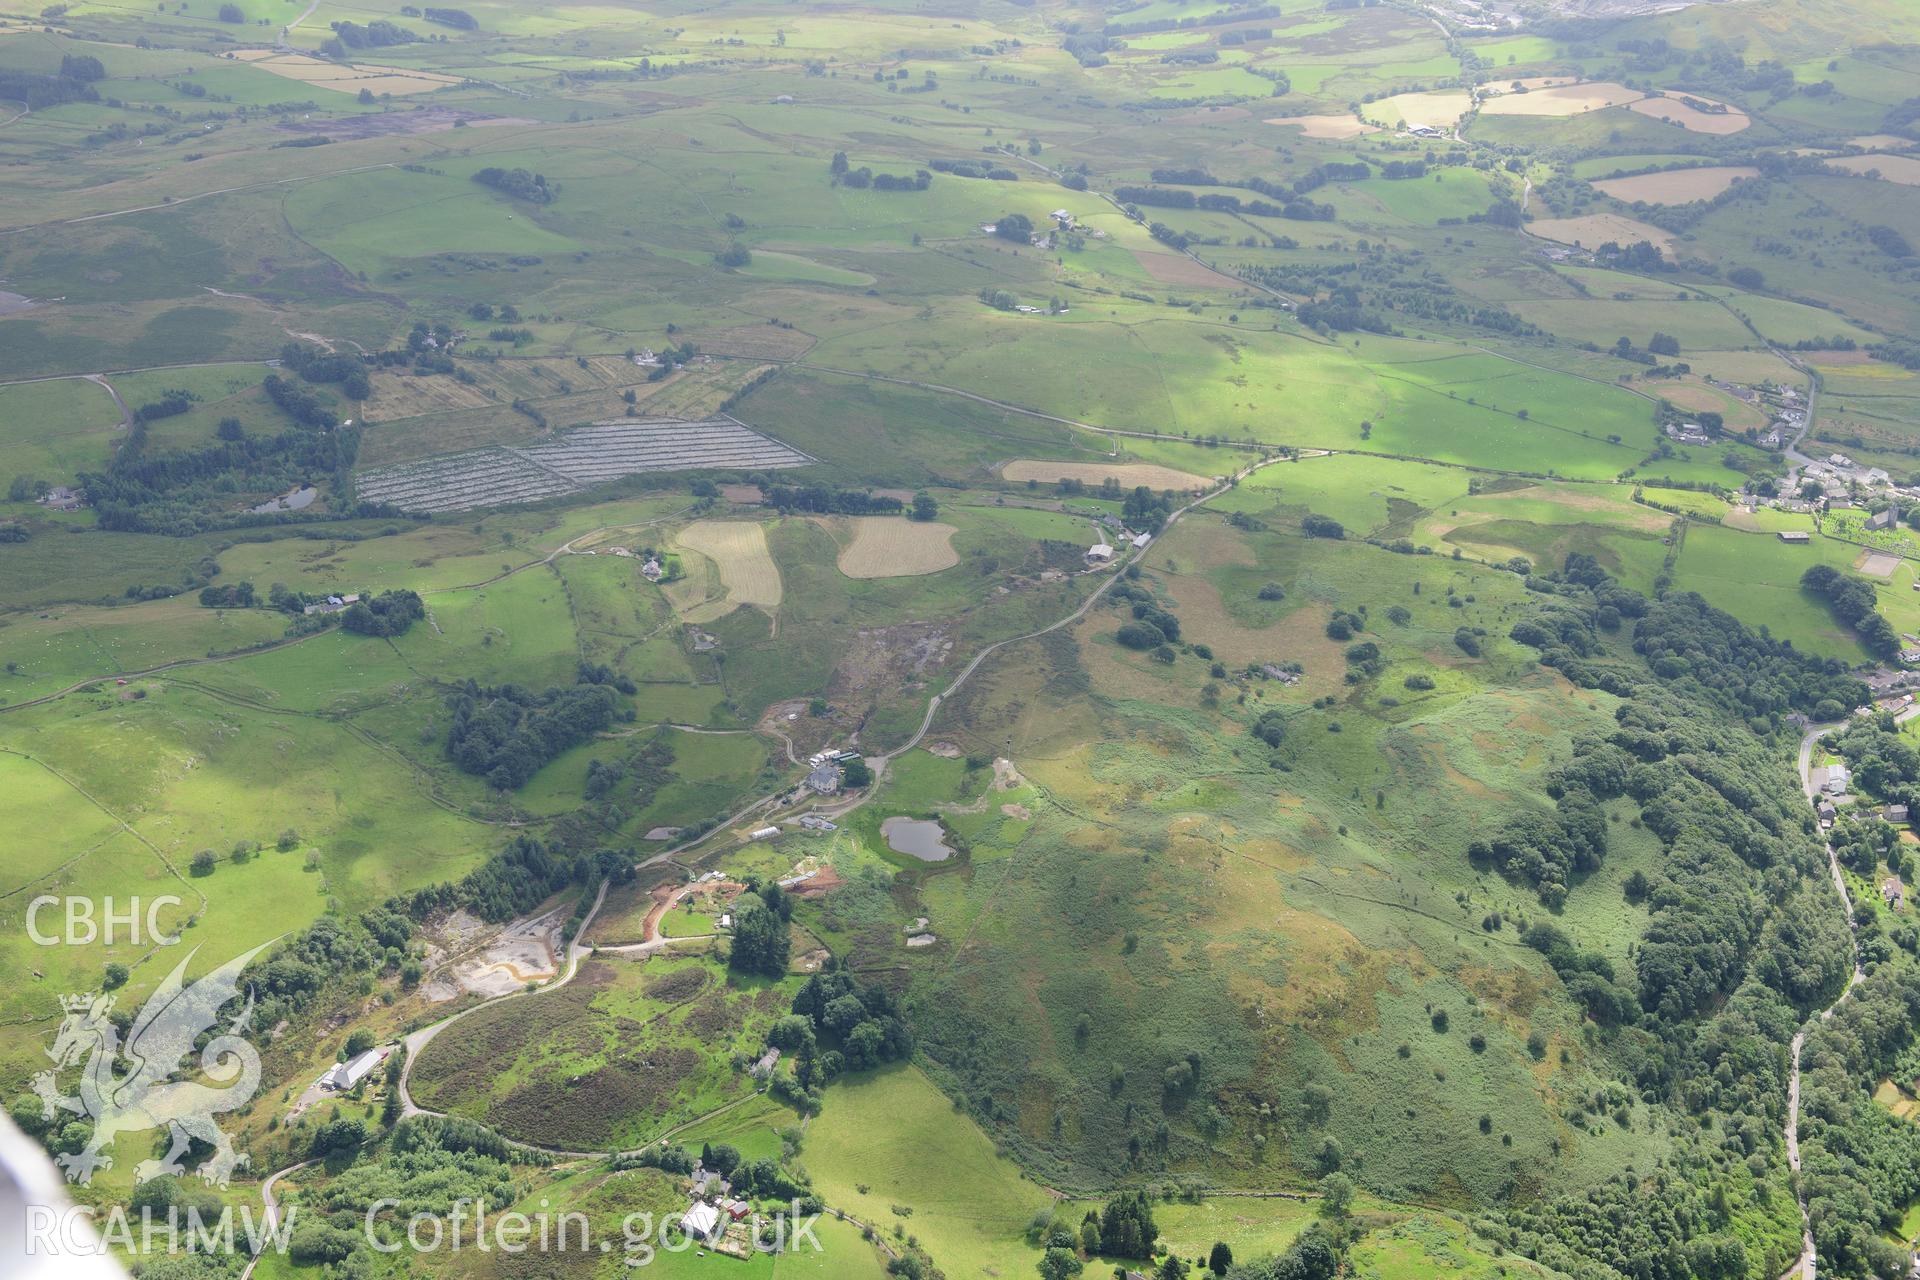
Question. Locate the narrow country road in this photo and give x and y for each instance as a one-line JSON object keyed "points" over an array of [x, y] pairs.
{"points": [[271, 1218], [1805, 1267], [419, 1040]]}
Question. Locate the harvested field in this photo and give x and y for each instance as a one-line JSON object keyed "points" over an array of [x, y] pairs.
{"points": [[1173, 268], [1674, 111], [1440, 110], [1596, 229], [895, 547], [1327, 126], [1904, 170], [739, 549], [1560, 100], [1129, 474], [572, 461], [344, 79], [1676, 186], [1882, 142]]}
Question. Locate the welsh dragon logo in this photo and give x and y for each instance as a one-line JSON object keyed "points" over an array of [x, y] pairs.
{"points": [[129, 1088]]}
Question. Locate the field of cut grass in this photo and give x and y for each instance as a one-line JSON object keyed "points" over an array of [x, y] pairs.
{"points": [[738, 550], [893, 547], [1590, 231], [1676, 186]]}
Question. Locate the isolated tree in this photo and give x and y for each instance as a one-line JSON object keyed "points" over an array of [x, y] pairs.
{"points": [[1220, 1259], [1336, 1195], [1059, 1264], [924, 507]]}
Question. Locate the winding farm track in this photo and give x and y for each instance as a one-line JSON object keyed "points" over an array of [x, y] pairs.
{"points": [[418, 1040], [271, 1217], [288, 29]]}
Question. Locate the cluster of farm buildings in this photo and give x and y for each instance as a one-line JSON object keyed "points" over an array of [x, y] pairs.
{"points": [[1101, 552], [715, 1217]]}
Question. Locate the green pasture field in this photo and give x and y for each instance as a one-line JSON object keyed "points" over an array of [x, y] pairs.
{"points": [[969, 1204], [1424, 399], [1695, 324], [219, 391], [70, 562], [1845, 276], [51, 430], [1509, 51], [1756, 577], [1365, 494], [712, 774], [77, 642], [1056, 525], [1443, 193], [1690, 501], [1787, 322], [885, 434], [371, 221], [1546, 522], [1252, 1228], [1700, 464]]}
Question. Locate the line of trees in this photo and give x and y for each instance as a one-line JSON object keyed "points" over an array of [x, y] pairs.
{"points": [[1853, 602], [825, 499]]}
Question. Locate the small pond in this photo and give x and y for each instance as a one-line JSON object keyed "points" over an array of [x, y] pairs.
{"points": [[917, 838]]}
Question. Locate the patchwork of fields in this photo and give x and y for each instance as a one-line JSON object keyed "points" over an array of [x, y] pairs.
{"points": [[1391, 867]]}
